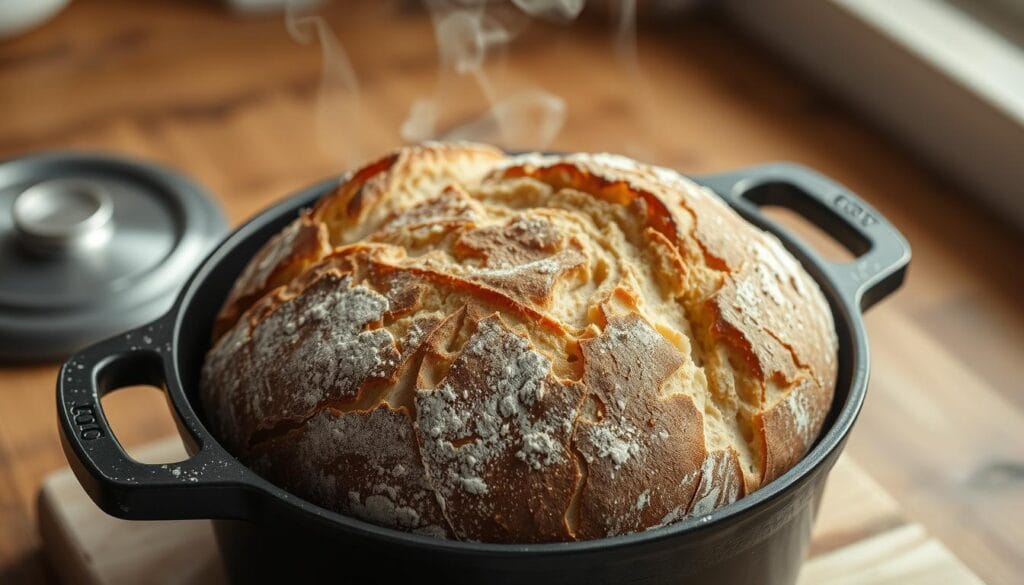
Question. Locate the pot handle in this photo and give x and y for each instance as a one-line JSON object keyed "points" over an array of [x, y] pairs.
{"points": [[209, 484], [882, 253]]}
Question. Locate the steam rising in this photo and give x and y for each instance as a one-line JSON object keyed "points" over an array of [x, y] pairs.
{"points": [[472, 37], [339, 109], [625, 32], [561, 11], [530, 118], [640, 107], [467, 34]]}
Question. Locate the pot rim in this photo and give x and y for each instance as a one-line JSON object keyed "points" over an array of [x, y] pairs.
{"points": [[847, 287]]}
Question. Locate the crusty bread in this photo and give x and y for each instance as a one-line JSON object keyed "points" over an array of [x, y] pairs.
{"points": [[520, 349]]}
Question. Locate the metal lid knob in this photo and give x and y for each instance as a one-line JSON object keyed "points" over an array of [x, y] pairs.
{"points": [[92, 245], [62, 216]]}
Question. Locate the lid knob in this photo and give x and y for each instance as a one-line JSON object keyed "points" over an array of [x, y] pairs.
{"points": [[61, 216]]}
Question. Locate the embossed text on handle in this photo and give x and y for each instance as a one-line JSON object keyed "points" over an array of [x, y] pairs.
{"points": [[84, 415], [854, 210]]}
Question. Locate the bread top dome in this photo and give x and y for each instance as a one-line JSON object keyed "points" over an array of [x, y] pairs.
{"points": [[520, 349]]}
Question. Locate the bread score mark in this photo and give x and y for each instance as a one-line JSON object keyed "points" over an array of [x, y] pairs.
{"points": [[495, 436], [425, 207], [302, 243], [644, 456], [308, 349]]}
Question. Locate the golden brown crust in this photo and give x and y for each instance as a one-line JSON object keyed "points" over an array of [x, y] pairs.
{"points": [[280, 260], [788, 428], [495, 435], [397, 182], [310, 348], [365, 464], [721, 482], [555, 347], [643, 455]]}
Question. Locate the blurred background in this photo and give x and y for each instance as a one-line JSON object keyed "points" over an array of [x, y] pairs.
{"points": [[917, 106]]}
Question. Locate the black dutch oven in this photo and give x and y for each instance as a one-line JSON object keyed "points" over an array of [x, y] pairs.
{"points": [[266, 534]]}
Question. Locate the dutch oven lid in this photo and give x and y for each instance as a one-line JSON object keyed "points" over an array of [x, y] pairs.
{"points": [[92, 245]]}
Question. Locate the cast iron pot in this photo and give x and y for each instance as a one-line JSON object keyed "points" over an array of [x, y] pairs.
{"points": [[266, 534]]}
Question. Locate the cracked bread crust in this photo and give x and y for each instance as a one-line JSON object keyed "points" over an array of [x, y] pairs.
{"points": [[520, 349]]}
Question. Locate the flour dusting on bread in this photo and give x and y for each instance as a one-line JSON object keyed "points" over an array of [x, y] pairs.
{"points": [[528, 348]]}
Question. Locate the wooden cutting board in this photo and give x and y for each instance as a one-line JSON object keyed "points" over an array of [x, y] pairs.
{"points": [[861, 538]]}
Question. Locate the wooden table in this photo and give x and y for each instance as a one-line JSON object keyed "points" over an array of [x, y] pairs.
{"points": [[232, 103]]}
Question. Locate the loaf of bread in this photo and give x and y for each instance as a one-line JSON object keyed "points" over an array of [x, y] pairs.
{"points": [[519, 349]]}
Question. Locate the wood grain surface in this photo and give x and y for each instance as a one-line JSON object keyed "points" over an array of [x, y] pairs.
{"points": [[233, 103]]}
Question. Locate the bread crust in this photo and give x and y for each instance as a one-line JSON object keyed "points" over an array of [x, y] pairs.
{"points": [[545, 348]]}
